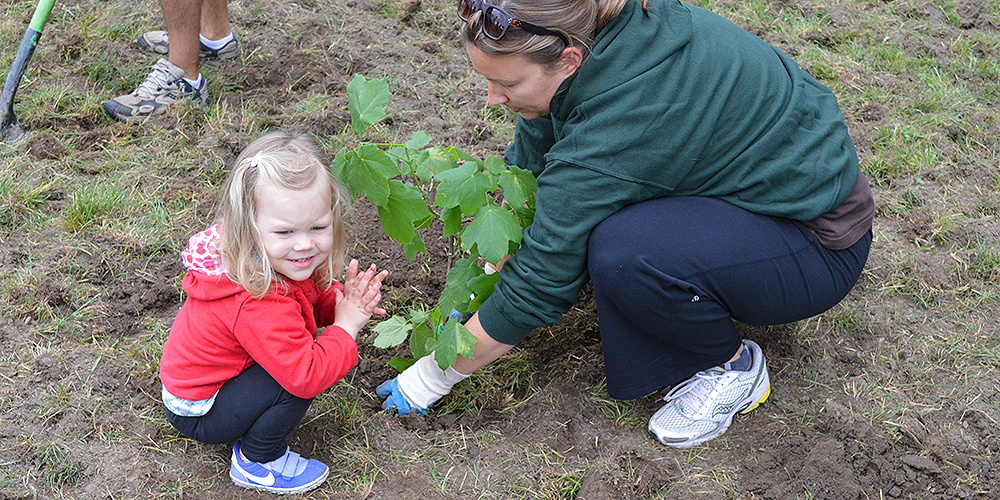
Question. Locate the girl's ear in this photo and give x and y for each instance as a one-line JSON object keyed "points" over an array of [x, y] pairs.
{"points": [[570, 60]]}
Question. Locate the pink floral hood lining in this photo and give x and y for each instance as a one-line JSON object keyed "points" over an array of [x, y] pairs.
{"points": [[202, 253]]}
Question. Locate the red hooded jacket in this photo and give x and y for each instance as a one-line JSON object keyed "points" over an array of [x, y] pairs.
{"points": [[222, 330]]}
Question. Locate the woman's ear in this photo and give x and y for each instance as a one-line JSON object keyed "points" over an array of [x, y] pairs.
{"points": [[570, 60]]}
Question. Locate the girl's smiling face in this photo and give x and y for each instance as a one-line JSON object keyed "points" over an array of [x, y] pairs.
{"points": [[522, 85], [296, 228]]}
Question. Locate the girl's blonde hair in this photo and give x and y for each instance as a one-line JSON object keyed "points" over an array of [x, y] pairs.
{"points": [[289, 160], [578, 20]]}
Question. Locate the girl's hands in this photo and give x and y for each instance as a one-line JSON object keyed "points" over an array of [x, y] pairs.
{"points": [[360, 298]]}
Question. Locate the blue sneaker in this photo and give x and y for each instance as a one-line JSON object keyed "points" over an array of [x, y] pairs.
{"points": [[288, 474]]}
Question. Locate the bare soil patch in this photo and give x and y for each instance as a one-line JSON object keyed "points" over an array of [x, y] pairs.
{"points": [[79, 423]]}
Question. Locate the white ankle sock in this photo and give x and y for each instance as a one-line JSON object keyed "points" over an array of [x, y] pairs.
{"points": [[216, 44], [197, 84]]}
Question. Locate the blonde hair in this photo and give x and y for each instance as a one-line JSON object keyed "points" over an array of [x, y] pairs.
{"points": [[578, 20], [289, 160]]}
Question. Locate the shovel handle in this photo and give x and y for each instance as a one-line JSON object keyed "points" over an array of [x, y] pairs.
{"points": [[8, 120], [41, 14]]}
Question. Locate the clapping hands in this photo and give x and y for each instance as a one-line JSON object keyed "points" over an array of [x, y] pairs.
{"points": [[360, 298]]}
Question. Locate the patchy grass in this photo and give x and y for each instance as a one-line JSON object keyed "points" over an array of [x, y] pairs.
{"points": [[93, 213]]}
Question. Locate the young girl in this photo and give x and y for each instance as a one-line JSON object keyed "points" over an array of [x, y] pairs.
{"points": [[243, 359]]}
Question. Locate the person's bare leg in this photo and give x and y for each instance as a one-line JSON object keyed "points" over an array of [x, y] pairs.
{"points": [[739, 353], [183, 20], [215, 19]]}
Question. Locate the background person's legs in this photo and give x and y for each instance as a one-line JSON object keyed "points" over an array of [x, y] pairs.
{"points": [[215, 19], [176, 77], [183, 19]]}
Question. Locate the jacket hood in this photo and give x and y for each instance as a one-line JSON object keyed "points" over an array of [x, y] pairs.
{"points": [[206, 278], [614, 60], [639, 75]]}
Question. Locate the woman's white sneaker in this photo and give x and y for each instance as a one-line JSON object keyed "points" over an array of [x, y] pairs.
{"points": [[702, 407]]}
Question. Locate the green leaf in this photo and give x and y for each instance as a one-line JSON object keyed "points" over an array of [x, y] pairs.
{"points": [[376, 160], [416, 165], [415, 157], [422, 340], [411, 249], [366, 171], [457, 290], [367, 101], [494, 232], [338, 165], [434, 161], [392, 332], [482, 287], [524, 216], [400, 364], [402, 207], [494, 166], [519, 186], [418, 140], [426, 221], [463, 271], [464, 157], [452, 218], [418, 316], [455, 339], [463, 187]]}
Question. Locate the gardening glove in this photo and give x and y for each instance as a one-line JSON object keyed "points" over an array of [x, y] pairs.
{"points": [[393, 400], [461, 317], [418, 387]]}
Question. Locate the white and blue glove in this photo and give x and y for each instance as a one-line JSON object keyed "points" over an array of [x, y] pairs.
{"points": [[418, 387]]}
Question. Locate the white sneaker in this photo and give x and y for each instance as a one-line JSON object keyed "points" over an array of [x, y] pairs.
{"points": [[163, 86], [702, 407], [158, 42]]}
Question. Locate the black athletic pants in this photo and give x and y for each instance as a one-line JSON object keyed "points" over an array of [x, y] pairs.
{"points": [[670, 275], [251, 408]]}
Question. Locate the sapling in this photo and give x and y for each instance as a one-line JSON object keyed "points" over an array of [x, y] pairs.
{"points": [[412, 184]]}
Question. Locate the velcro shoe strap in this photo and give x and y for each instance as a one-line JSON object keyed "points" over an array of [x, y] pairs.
{"points": [[290, 464]]}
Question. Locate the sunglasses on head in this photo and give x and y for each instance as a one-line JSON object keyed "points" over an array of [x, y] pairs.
{"points": [[497, 21]]}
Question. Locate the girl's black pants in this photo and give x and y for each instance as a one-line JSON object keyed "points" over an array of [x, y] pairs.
{"points": [[251, 408]]}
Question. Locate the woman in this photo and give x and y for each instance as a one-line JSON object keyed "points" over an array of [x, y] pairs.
{"points": [[695, 173]]}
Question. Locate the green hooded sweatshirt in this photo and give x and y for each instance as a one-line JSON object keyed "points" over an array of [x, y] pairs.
{"points": [[674, 101]]}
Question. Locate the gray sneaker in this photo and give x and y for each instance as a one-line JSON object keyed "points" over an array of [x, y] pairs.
{"points": [[163, 86], [158, 42], [702, 407]]}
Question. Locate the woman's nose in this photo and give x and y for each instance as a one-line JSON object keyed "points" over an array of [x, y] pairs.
{"points": [[494, 97]]}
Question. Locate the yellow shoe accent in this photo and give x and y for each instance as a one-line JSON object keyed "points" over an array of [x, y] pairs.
{"points": [[766, 394]]}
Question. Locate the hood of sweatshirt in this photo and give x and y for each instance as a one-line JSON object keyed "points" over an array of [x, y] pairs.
{"points": [[206, 278], [684, 102]]}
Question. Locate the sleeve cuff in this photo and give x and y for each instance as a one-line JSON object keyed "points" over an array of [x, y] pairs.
{"points": [[498, 326]]}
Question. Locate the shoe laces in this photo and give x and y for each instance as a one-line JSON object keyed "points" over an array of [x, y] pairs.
{"points": [[697, 394], [158, 80]]}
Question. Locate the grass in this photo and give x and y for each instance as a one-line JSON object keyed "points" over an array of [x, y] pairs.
{"points": [[60, 466], [92, 214]]}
